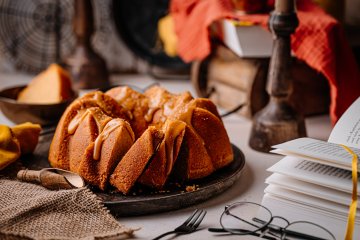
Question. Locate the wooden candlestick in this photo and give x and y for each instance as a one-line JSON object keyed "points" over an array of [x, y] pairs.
{"points": [[284, 6], [87, 68], [278, 121]]}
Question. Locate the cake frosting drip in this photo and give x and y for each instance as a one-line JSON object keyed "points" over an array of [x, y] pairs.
{"points": [[109, 128], [131, 137], [97, 96], [172, 130], [73, 125], [95, 112], [150, 114]]}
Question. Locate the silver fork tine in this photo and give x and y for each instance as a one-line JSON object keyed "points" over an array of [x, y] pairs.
{"points": [[189, 219], [195, 217], [190, 225], [199, 220]]}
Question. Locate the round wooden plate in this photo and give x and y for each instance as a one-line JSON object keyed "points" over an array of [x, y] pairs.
{"points": [[145, 201]]}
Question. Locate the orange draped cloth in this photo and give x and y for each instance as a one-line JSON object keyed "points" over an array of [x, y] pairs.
{"points": [[319, 40]]}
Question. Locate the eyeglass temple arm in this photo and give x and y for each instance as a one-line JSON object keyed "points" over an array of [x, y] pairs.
{"points": [[221, 230], [302, 235], [270, 226], [239, 218], [288, 232]]}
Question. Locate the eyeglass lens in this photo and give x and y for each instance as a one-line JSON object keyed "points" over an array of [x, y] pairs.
{"points": [[239, 218], [306, 230], [246, 218]]}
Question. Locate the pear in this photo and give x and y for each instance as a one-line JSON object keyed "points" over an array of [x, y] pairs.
{"points": [[28, 136], [9, 147]]}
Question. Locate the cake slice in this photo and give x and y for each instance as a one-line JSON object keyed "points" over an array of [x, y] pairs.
{"points": [[136, 106], [89, 127], [136, 160], [164, 104], [208, 105], [97, 145], [51, 86], [164, 160], [217, 142], [198, 161], [103, 155], [59, 152]]}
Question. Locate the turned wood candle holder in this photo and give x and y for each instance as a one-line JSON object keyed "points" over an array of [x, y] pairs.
{"points": [[88, 69], [278, 121]]}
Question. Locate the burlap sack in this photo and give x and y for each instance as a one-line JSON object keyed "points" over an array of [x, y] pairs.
{"points": [[29, 211]]}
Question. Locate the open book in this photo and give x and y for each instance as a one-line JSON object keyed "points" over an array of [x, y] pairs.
{"points": [[313, 182], [346, 132]]}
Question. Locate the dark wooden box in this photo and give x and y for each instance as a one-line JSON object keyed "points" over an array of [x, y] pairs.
{"points": [[229, 81]]}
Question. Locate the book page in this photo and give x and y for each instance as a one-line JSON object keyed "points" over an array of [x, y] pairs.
{"points": [[318, 150], [309, 189], [296, 212], [312, 159], [306, 200], [347, 129], [316, 173]]}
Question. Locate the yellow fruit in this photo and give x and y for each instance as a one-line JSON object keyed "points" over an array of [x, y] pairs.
{"points": [[9, 147], [28, 136], [167, 35]]}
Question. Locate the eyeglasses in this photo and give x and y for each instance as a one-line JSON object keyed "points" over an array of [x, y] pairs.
{"points": [[248, 218]]}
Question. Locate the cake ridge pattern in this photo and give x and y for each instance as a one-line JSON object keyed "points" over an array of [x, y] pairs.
{"points": [[122, 137]]}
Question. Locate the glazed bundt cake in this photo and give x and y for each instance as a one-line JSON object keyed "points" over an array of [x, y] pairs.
{"points": [[123, 137]]}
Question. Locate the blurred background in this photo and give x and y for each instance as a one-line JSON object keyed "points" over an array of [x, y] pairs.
{"points": [[126, 33]]}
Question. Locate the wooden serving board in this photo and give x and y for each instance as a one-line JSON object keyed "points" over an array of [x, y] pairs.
{"points": [[143, 201]]}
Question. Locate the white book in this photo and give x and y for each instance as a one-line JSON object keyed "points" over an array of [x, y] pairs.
{"points": [[315, 173], [310, 189], [328, 153], [335, 209], [346, 132], [247, 41], [294, 211], [313, 182]]}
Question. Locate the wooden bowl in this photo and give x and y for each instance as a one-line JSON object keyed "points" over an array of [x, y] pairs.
{"points": [[43, 114]]}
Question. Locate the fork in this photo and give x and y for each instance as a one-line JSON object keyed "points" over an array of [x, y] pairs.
{"points": [[190, 225]]}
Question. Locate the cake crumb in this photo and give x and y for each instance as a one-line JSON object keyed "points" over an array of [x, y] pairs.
{"points": [[192, 188]]}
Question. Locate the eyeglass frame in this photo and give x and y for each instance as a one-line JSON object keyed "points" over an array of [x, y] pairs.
{"points": [[267, 225]]}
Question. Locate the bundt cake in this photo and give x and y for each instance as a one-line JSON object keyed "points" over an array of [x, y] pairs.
{"points": [[123, 137]]}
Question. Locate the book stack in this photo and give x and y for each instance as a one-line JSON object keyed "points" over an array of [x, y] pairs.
{"points": [[313, 182], [236, 73], [251, 41]]}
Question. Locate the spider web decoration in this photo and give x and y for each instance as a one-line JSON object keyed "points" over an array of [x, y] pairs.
{"points": [[36, 33]]}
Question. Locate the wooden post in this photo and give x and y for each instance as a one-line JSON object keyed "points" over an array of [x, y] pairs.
{"points": [[87, 68], [278, 121]]}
